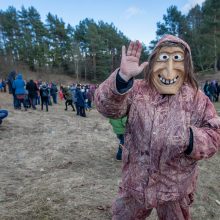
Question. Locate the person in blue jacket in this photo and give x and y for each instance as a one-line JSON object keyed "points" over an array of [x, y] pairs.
{"points": [[20, 92], [3, 114]]}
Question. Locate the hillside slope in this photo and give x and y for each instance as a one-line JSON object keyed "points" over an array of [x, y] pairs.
{"points": [[56, 165]]}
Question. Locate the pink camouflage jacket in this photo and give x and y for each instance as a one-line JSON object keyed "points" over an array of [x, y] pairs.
{"points": [[155, 167]]}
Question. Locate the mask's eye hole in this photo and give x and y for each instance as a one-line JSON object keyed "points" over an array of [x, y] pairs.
{"points": [[178, 57], [163, 57]]}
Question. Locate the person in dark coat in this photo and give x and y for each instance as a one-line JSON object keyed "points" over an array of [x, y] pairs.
{"points": [[80, 102], [206, 89], [44, 94], [10, 80], [32, 93], [213, 91], [68, 97], [53, 92]]}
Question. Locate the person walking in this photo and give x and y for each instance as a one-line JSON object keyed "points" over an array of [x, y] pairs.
{"points": [[11, 90], [32, 93], [67, 94]]}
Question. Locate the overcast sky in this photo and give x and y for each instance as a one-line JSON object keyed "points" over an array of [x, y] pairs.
{"points": [[135, 18]]}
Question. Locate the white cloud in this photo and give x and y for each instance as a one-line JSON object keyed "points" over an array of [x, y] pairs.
{"points": [[132, 11], [190, 4]]}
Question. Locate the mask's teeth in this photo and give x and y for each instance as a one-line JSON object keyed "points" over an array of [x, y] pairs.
{"points": [[167, 81]]}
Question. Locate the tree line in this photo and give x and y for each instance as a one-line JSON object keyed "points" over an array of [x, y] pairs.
{"points": [[91, 50], [200, 28]]}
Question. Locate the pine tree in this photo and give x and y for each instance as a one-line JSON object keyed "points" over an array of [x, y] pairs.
{"points": [[211, 29], [10, 33]]}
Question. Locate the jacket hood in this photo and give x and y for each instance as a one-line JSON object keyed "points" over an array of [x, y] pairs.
{"points": [[19, 76], [172, 39]]}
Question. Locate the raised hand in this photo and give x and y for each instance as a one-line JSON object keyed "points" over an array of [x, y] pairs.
{"points": [[130, 62]]}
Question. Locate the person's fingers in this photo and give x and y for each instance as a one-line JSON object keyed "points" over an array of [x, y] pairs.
{"points": [[123, 52], [130, 48], [139, 49], [142, 66], [135, 47]]}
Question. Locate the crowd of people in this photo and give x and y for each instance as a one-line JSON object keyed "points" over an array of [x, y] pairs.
{"points": [[32, 93]]}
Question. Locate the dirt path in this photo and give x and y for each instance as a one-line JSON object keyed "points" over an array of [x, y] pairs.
{"points": [[56, 165]]}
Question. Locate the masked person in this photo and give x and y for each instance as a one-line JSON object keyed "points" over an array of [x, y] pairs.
{"points": [[171, 125]]}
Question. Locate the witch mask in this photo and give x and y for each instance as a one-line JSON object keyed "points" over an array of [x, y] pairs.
{"points": [[168, 70], [170, 65]]}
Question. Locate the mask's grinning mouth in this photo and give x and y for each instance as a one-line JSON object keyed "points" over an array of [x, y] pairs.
{"points": [[167, 81]]}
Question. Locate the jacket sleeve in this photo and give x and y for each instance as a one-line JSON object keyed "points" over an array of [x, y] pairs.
{"points": [[109, 101], [206, 138]]}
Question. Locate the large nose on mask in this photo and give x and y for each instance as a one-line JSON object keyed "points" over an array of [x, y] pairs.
{"points": [[170, 73]]}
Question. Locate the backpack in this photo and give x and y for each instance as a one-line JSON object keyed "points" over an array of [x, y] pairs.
{"points": [[45, 92]]}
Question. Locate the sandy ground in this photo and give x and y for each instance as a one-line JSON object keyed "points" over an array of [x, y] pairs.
{"points": [[56, 165]]}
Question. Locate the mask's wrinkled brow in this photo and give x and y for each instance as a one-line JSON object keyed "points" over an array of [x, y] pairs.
{"points": [[171, 50]]}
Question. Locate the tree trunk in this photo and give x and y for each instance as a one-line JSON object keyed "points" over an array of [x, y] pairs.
{"points": [[85, 71], [215, 48], [77, 70], [200, 61], [94, 65], [112, 55]]}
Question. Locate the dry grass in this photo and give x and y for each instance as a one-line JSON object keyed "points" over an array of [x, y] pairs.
{"points": [[217, 106], [57, 166]]}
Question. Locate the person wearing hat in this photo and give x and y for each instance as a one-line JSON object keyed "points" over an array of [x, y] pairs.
{"points": [[171, 125]]}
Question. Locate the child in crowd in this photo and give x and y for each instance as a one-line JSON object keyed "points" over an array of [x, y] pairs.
{"points": [[118, 126]]}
